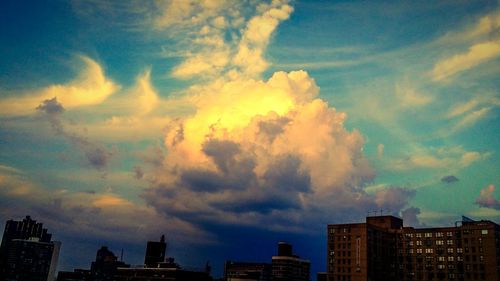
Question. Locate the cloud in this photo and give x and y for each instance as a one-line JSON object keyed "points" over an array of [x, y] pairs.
{"points": [[486, 27], [409, 97], [99, 215], [257, 152], [256, 35], [393, 199], [91, 87], [471, 118], [436, 158], [487, 199], [449, 179], [204, 27], [477, 54], [410, 217], [472, 111], [51, 106], [380, 150], [138, 172], [97, 156]]}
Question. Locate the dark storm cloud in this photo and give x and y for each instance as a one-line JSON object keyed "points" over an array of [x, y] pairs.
{"points": [[203, 181], [222, 152], [51, 106], [285, 174], [449, 179]]}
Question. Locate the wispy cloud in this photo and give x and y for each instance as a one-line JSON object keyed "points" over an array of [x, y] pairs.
{"points": [[91, 87], [438, 158], [476, 55]]}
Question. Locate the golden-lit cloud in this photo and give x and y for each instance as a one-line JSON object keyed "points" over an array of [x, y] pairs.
{"points": [[250, 56], [477, 54], [254, 147], [91, 87]]}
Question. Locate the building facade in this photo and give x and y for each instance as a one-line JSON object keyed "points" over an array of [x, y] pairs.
{"points": [[27, 252], [382, 249], [289, 267], [247, 271]]}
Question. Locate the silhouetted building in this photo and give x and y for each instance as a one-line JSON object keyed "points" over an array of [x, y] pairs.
{"points": [[158, 268], [155, 252], [382, 249], [27, 252], [105, 265], [247, 271], [76, 275], [161, 274], [289, 267], [321, 276]]}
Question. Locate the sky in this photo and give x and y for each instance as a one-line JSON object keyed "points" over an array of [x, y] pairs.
{"points": [[231, 125]]}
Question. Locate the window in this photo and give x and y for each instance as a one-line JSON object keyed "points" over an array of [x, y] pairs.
{"points": [[459, 250], [449, 233], [440, 266], [429, 250], [428, 234], [439, 242], [419, 250], [450, 250], [418, 235], [419, 242], [439, 234], [484, 231], [449, 242], [440, 258], [450, 258]]}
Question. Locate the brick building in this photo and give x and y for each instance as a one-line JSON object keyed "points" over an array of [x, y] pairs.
{"points": [[382, 249]]}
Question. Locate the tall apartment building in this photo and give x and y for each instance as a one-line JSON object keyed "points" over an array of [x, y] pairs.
{"points": [[382, 249], [27, 252]]}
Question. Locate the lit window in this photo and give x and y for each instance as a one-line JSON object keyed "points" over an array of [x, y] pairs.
{"points": [[450, 250], [439, 242], [419, 242], [484, 231], [459, 250], [428, 234], [449, 242], [450, 258], [439, 234]]}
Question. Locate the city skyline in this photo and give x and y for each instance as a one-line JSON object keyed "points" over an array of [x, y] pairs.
{"points": [[238, 124]]}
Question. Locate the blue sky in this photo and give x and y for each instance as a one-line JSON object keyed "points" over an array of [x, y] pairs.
{"points": [[229, 125]]}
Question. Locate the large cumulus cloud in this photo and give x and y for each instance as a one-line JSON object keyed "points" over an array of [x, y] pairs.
{"points": [[265, 152]]}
